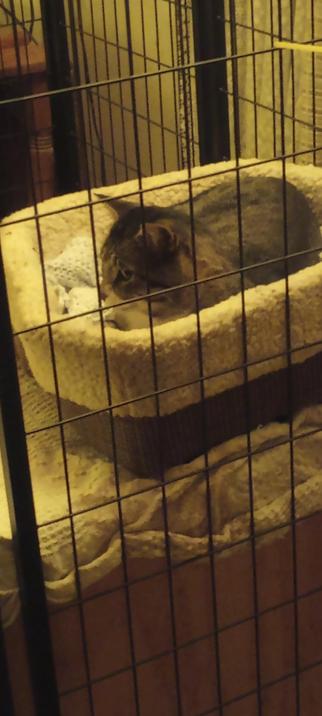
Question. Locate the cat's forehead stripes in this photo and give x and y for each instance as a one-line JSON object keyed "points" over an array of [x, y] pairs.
{"points": [[137, 216]]}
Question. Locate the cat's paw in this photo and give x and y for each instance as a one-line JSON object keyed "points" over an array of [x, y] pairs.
{"points": [[109, 317]]}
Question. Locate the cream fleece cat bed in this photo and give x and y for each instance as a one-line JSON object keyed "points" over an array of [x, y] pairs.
{"points": [[143, 442]]}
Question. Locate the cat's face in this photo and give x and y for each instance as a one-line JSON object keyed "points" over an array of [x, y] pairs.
{"points": [[142, 255]]}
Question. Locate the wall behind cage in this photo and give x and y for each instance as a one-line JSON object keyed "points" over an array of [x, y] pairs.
{"points": [[104, 45], [26, 12], [159, 36], [278, 107], [264, 110]]}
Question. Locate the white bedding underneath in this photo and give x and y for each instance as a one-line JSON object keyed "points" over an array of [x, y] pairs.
{"points": [[92, 483]]}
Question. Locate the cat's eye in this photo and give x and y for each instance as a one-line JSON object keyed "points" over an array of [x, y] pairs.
{"points": [[125, 274]]}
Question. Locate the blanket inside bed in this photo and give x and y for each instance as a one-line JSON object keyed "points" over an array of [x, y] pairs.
{"points": [[73, 272]]}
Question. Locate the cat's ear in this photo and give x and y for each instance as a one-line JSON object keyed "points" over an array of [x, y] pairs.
{"points": [[119, 206], [160, 239]]}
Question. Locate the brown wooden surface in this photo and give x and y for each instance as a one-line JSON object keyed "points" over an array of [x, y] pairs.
{"points": [[27, 155], [107, 636], [23, 58]]}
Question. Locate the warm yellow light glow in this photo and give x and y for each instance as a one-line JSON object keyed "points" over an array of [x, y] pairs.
{"points": [[283, 45]]}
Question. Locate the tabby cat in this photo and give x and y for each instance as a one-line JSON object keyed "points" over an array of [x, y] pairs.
{"points": [[154, 250]]}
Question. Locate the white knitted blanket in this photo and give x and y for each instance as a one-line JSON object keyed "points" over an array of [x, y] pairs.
{"points": [[73, 273]]}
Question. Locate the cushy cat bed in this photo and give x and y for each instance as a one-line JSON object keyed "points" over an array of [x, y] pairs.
{"points": [[153, 433]]}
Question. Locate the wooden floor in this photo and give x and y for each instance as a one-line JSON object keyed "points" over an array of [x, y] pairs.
{"points": [[108, 644]]}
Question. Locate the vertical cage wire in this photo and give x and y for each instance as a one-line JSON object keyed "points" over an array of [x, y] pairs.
{"points": [[290, 397], [244, 327], [217, 668], [314, 135], [98, 50], [184, 33], [256, 29], [178, 688]]}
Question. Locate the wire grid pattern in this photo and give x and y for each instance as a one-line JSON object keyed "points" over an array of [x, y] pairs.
{"points": [[113, 100], [260, 106], [99, 48], [23, 71]]}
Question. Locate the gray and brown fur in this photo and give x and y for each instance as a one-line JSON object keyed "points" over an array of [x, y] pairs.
{"points": [[157, 249]]}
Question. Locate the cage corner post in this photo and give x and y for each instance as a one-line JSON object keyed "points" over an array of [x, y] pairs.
{"points": [[6, 699], [67, 160], [211, 80], [28, 563]]}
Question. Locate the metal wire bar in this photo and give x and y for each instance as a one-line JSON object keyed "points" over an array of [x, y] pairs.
{"points": [[212, 565], [93, 127], [108, 42], [188, 20], [6, 698], [150, 122], [291, 20], [109, 98], [183, 80], [79, 104], [116, 471], [289, 384], [98, 130], [233, 39], [266, 686], [260, 31], [89, 103], [163, 147], [140, 75], [23, 522], [59, 76], [146, 190], [216, 708], [33, 622], [254, 78], [120, 88], [277, 113], [187, 476], [92, 90], [200, 557], [162, 391], [155, 381], [313, 83], [38, 164], [174, 85], [10, 12], [271, 34], [211, 81]]}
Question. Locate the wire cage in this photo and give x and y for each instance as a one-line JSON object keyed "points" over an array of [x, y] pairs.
{"points": [[160, 497]]}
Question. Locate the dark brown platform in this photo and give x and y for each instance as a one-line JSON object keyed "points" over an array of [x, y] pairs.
{"points": [[149, 445]]}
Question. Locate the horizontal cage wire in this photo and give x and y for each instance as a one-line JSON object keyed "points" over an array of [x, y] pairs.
{"points": [[160, 497]]}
